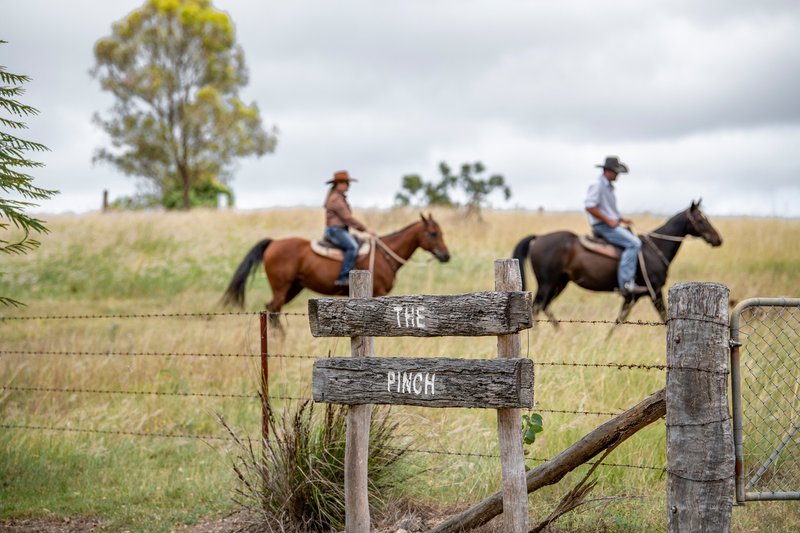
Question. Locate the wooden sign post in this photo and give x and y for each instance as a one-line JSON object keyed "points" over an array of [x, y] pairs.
{"points": [[505, 383], [356, 453]]}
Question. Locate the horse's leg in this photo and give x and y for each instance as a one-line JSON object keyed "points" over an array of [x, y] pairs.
{"points": [[627, 305], [280, 297], [625, 310], [293, 291], [538, 303], [659, 305], [274, 306], [556, 290]]}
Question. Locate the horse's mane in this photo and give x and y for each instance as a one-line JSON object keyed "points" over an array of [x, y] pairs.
{"points": [[673, 221], [398, 232]]}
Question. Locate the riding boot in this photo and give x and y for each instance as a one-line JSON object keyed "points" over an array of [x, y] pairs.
{"points": [[631, 289]]}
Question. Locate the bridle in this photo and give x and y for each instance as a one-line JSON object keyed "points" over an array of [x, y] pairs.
{"points": [[659, 253]]}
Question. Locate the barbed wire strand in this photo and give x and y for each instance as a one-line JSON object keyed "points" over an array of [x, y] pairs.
{"points": [[497, 456], [129, 392], [128, 354], [214, 437], [618, 366], [114, 432], [281, 314], [147, 315]]}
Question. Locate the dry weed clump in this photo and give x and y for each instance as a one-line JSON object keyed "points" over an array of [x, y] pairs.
{"points": [[294, 483]]}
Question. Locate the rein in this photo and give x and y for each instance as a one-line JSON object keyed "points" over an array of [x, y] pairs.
{"points": [[661, 236], [646, 276], [660, 254], [386, 250], [674, 238]]}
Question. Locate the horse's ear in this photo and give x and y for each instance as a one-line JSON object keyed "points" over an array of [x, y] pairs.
{"points": [[694, 205], [422, 217], [430, 217]]}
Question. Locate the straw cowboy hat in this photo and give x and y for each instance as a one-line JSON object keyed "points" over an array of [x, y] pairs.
{"points": [[614, 164], [342, 175]]}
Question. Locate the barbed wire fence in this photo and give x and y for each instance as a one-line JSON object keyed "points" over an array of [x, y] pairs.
{"points": [[9, 388]]}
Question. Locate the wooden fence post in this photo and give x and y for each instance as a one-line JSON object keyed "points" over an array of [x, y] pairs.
{"points": [[358, 421], [509, 421], [700, 458]]}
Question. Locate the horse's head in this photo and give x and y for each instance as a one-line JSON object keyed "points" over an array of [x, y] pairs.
{"points": [[431, 238], [699, 226]]}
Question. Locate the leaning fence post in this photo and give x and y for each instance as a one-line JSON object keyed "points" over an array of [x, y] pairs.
{"points": [[358, 422], [509, 421], [700, 458]]}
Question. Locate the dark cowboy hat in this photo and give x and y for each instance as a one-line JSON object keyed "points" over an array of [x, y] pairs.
{"points": [[342, 175], [614, 164]]}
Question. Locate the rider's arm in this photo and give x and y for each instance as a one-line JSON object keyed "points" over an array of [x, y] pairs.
{"points": [[595, 212]]}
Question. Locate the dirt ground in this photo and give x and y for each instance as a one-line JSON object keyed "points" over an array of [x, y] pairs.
{"points": [[407, 518]]}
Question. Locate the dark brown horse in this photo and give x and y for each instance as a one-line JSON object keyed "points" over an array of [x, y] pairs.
{"points": [[558, 258], [291, 265]]}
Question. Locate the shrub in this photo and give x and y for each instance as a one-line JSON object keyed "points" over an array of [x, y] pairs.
{"points": [[297, 483]]}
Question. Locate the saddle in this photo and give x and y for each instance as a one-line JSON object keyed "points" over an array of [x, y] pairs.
{"points": [[326, 248], [598, 245]]}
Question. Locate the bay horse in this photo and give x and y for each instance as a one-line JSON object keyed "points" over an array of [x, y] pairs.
{"points": [[558, 258], [291, 265]]}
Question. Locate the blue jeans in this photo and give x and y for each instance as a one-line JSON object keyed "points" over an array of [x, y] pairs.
{"points": [[347, 243], [630, 245]]}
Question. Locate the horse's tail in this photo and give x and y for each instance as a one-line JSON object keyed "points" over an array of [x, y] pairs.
{"points": [[521, 253], [234, 295]]}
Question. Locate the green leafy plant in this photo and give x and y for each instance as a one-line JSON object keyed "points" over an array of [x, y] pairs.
{"points": [[531, 425], [14, 178]]}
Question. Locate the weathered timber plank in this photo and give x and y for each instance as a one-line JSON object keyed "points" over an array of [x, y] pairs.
{"points": [[439, 382], [473, 314]]}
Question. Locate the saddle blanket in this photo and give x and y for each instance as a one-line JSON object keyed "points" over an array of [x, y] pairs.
{"points": [[599, 246], [327, 249]]}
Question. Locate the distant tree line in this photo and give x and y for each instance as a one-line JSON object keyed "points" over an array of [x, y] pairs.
{"points": [[470, 181]]}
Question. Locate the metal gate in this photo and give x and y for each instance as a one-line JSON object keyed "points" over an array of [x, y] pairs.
{"points": [[765, 381]]}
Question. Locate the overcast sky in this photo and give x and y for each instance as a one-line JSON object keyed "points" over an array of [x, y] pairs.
{"points": [[700, 99]]}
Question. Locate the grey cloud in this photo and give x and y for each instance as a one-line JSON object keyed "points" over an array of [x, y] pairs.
{"points": [[698, 96]]}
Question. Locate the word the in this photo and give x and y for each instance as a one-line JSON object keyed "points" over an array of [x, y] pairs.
{"points": [[409, 317], [411, 383]]}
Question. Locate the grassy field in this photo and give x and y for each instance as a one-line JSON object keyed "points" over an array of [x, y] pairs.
{"points": [[180, 263]]}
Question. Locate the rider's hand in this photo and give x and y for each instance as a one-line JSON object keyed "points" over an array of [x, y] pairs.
{"points": [[626, 221], [612, 223]]}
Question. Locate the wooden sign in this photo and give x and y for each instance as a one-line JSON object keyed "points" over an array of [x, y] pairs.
{"points": [[466, 315], [435, 382]]}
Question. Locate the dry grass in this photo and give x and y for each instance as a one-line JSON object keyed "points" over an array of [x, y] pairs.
{"points": [[138, 263]]}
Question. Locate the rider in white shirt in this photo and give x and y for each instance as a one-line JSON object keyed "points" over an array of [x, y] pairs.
{"points": [[601, 206]]}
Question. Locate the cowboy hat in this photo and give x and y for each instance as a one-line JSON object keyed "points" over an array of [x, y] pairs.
{"points": [[614, 164], [341, 175]]}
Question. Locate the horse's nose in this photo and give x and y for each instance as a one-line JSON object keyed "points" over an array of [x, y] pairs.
{"points": [[443, 257]]}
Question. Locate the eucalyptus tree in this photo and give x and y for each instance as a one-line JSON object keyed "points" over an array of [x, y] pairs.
{"points": [[175, 71]]}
